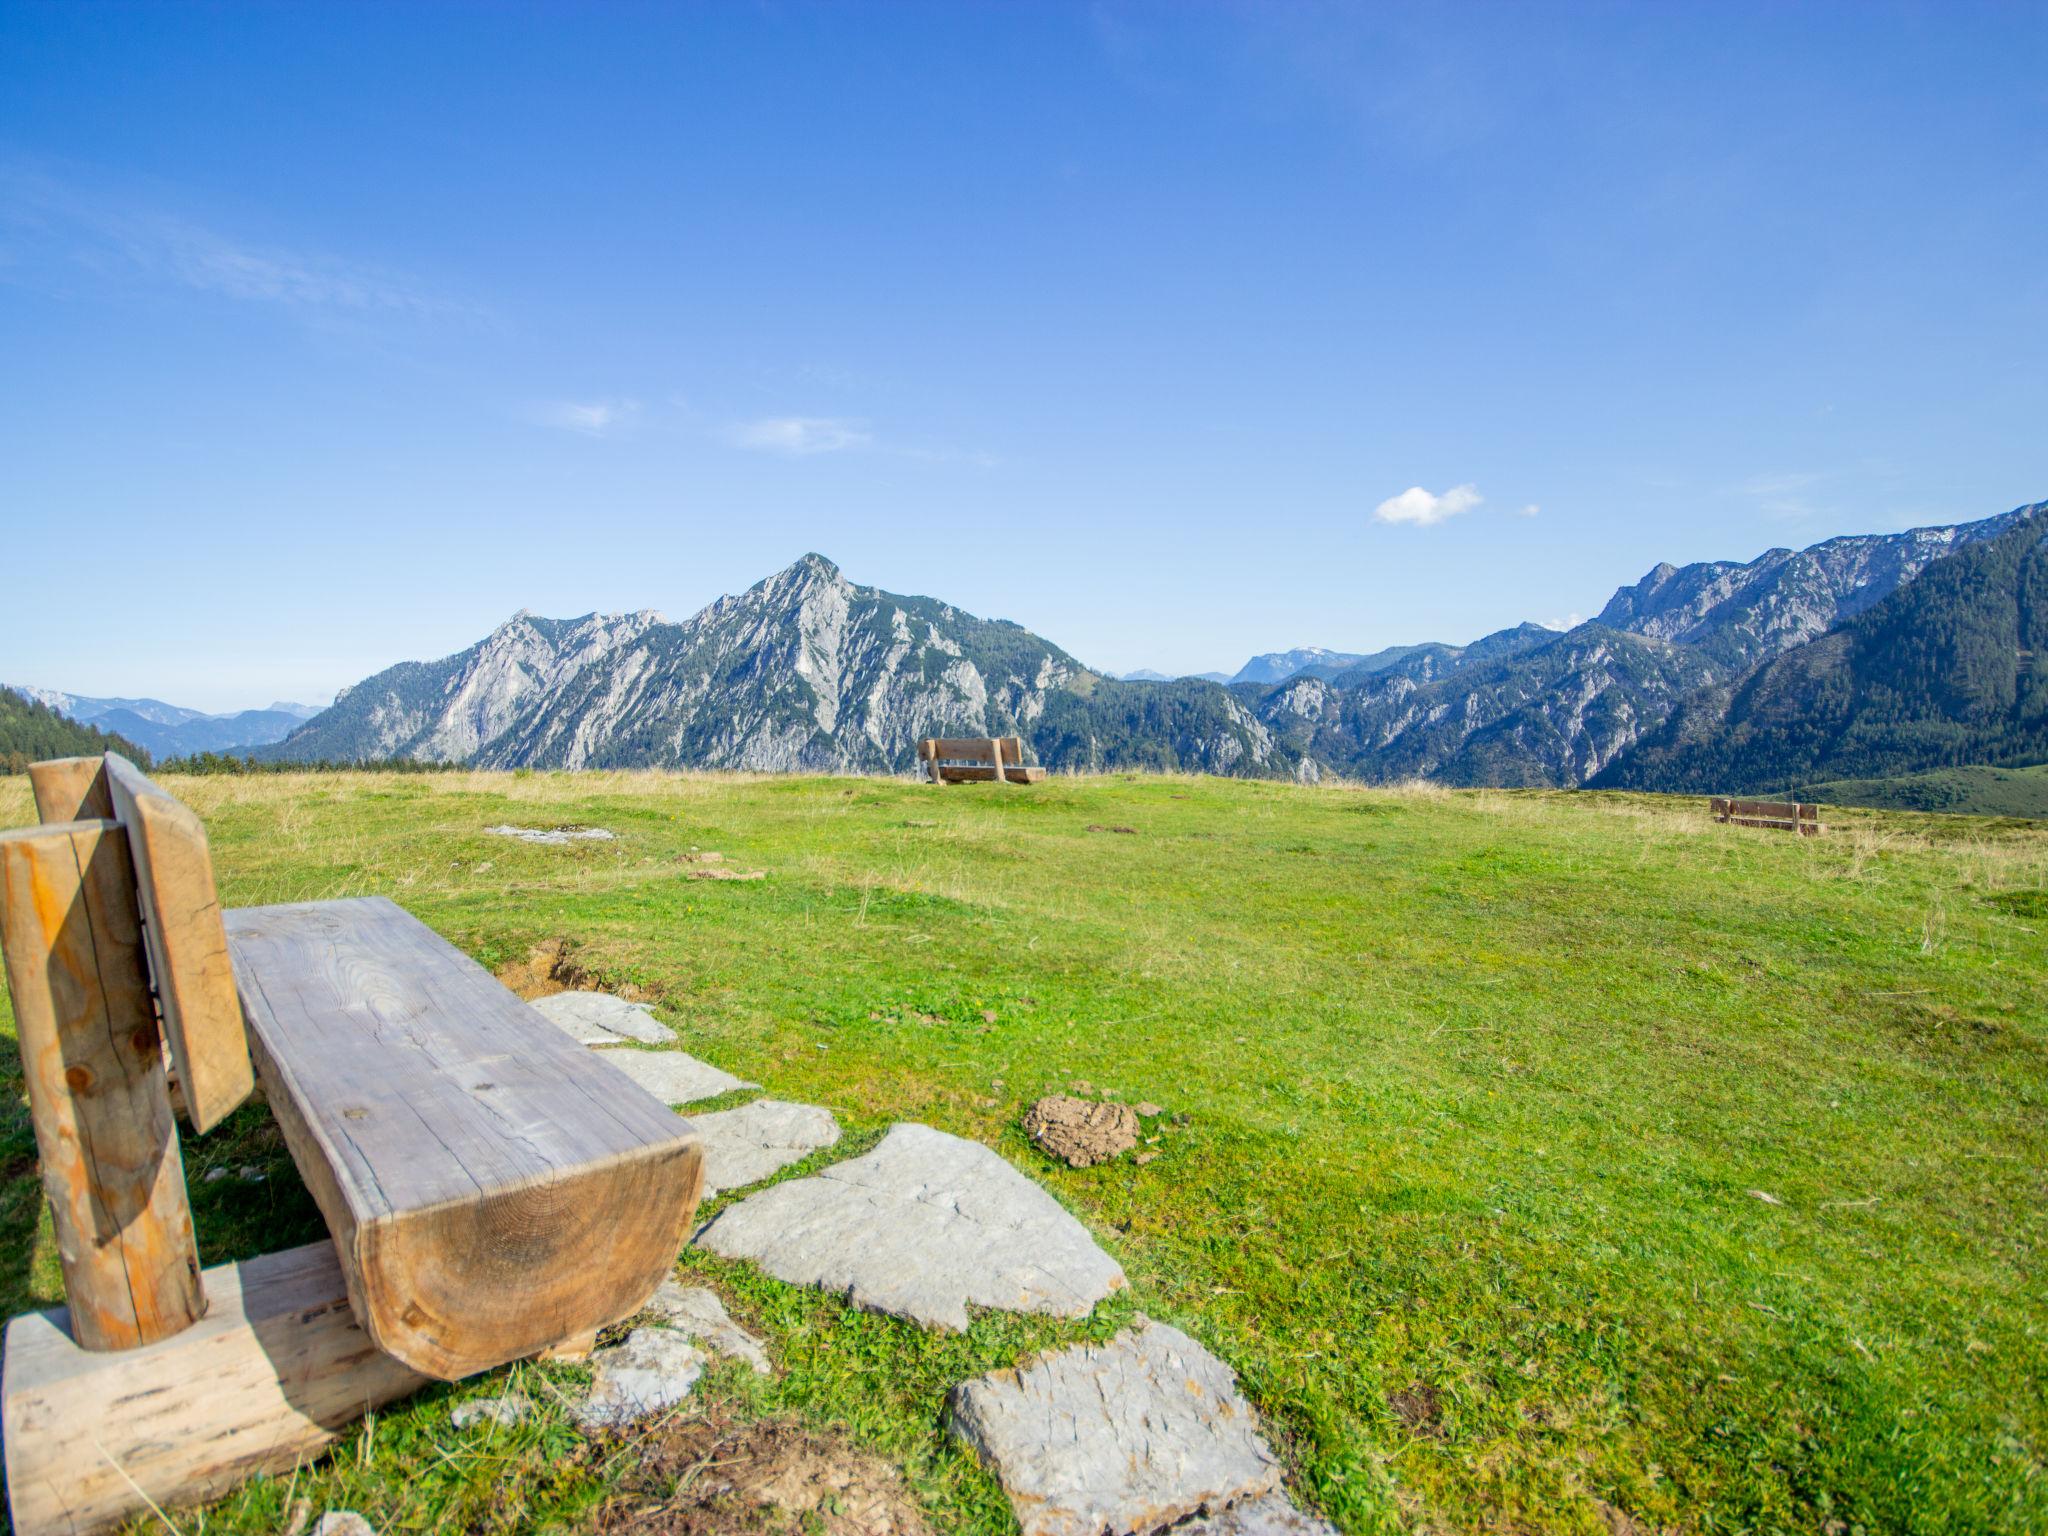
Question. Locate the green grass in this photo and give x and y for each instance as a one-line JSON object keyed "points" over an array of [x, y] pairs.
{"points": [[1973, 791], [1478, 1089]]}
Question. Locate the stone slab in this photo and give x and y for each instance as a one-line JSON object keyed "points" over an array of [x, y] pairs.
{"points": [[554, 836], [652, 1370], [1272, 1515], [699, 1316], [1124, 1437], [676, 1077], [744, 1146], [922, 1227], [598, 1018]]}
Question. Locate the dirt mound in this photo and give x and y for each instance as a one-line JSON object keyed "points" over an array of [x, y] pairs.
{"points": [[710, 1476], [1083, 1132], [551, 966]]}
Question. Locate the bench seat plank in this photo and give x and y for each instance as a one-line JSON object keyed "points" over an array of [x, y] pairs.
{"points": [[492, 1188]]}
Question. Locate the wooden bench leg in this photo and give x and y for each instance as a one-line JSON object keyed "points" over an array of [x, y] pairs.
{"points": [[265, 1381], [93, 1057]]}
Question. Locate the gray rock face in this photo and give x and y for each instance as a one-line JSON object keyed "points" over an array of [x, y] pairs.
{"points": [[699, 1316], [1124, 1437], [1272, 1515], [675, 1077], [598, 1018], [744, 1146], [655, 1368], [922, 1227]]}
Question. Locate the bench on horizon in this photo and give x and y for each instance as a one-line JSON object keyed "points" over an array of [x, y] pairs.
{"points": [[492, 1190], [1782, 815], [976, 760]]}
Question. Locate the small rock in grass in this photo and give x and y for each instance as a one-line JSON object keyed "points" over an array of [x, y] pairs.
{"points": [[675, 1077], [700, 1316], [744, 1146], [598, 1018], [343, 1522], [506, 1411], [654, 1369], [1083, 1132], [214, 1175], [1146, 1109], [1131, 1435], [553, 836]]}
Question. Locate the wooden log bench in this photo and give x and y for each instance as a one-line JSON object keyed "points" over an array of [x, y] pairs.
{"points": [[492, 1189], [1782, 815], [976, 760]]}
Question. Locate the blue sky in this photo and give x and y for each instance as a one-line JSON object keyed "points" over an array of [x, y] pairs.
{"points": [[329, 337]]}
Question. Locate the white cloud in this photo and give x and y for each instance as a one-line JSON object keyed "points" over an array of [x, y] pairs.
{"points": [[591, 418], [800, 436], [1569, 621], [116, 237], [1425, 508], [1530, 510]]}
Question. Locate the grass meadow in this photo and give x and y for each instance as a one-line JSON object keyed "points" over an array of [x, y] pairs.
{"points": [[1542, 1162]]}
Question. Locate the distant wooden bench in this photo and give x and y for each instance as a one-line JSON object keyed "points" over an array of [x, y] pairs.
{"points": [[1783, 815], [492, 1189], [976, 760]]}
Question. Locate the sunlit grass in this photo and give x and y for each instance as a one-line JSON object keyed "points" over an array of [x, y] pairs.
{"points": [[1481, 1092]]}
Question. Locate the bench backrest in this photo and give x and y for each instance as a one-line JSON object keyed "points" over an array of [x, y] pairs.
{"points": [[970, 749], [1785, 815], [182, 933]]}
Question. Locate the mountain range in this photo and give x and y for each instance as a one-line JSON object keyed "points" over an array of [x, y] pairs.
{"points": [[1691, 677], [171, 730]]}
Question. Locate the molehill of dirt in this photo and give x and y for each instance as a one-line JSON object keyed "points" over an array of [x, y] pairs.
{"points": [[1082, 1132], [550, 967], [708, 1475]]}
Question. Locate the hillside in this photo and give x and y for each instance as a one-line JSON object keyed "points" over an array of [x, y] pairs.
{"points": [[1971, 791], [172, 730], [810, 671], [31, 731], [1950, 670], [1539, 1161]]}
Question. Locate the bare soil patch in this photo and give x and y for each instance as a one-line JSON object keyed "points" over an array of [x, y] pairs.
{"points": [[551, 966], [711, 1476], [1082, 1132]]}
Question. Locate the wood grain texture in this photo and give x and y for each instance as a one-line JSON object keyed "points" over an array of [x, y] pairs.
{"points": [[93, 1060], [276, 1369], [187, 946], [493, 1188], [71, 789]]}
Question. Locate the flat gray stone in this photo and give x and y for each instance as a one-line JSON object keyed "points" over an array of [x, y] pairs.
{"points": [[654, 1369], [554, 836], [744, 1146], [342, 1522], [920, 1228], [699, 1316], [1272, 1515], [498, 1410], [1126, 1437], [598, 1018], [676, 1077]]}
